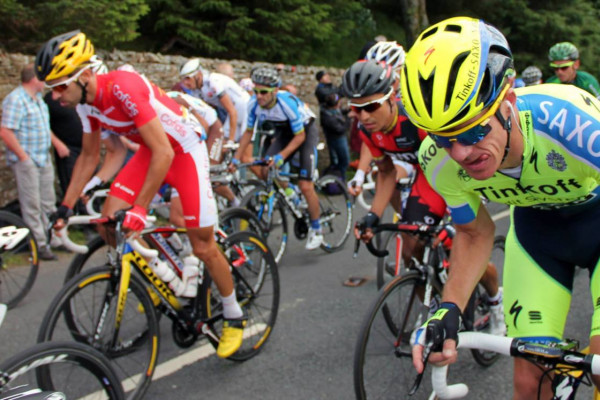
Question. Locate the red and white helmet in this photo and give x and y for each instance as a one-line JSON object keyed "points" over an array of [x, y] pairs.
{"points": [[389, 52]]}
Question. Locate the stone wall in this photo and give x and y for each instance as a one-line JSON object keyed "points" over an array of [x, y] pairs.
{"points": [[161, 69]]}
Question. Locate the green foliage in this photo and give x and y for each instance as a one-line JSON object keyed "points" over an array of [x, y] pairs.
{"points": [[106, 22]]}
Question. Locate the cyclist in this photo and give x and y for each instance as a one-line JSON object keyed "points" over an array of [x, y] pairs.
{"points": [[130, 105], [295, 132], [531, 75], [533, 148], [393, 55], [564, 59]]}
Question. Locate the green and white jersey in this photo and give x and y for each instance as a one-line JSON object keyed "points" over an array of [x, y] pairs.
{"points": [[561, 160], [583, 80]]}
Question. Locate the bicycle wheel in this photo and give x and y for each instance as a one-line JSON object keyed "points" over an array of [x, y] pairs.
{"points": [[383, 355], [386, 266], [85, 310], [256, 282], [99, 254], [239, 219], [73, 369], [271, 214], [19, 265], [336, 212], [477, 313]]}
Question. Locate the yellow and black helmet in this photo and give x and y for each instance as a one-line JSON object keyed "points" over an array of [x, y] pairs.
{"points": [[455, 69], [62, 55]]}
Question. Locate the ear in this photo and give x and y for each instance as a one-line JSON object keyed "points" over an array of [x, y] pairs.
{"points": [[86, 76], [577, 64]]}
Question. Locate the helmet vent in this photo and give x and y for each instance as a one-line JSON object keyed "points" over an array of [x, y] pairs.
{"points": [[428, 33], [453, 28], [427, 91], [456, 64]]}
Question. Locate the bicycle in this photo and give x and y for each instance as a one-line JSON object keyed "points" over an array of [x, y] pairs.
{"points": [[563, 360], [115, 310], [401, 307], [58, 370], [19, 261], [270, 204]]}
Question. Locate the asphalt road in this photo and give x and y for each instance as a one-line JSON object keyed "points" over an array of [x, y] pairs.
{"points": [[310, 352]]}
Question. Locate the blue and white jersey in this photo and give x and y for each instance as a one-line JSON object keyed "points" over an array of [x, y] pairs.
{"points": [[287, 108]]}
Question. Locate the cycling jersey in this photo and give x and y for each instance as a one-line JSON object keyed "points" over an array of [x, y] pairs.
{"points": [[554, 206], [125, 101], [561, 129], [214, 86], [288, 109], [200, 106], [583, 80], [401, 145]]}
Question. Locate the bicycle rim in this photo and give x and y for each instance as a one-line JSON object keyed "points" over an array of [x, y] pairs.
{"points": [[256, 283], [272, 218], [73, 369], [18, 266], [336, 212], [85, 310], [382, 359]]}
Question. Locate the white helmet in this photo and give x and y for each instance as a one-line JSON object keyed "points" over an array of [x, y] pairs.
{"points": [[247, 84], [190, 67], [390, 52], [97, 65], [126, 67]]}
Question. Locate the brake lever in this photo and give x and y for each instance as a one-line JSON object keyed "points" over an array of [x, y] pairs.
{"points": [[426, 353], [356, 247]]}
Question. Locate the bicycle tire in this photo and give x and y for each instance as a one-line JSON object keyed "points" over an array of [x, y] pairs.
{"points": [[238, 219], [382, 365], [90, 297], [477, 313], [336, 212], [74, 369], [19, 265], [273, 223], [99, 254], [386, 266], [256, 283]]}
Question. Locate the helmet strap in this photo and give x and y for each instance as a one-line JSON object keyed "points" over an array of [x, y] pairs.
{"points": [[83, 91], [507, 125]]}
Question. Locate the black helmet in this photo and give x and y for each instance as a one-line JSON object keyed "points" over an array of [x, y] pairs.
{"points": [[367, 77], [265, 76], [62, 55]]}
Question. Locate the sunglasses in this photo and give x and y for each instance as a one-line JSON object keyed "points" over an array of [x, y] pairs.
{"points": [[562, 67], [371, 106], [474, 132], [62, 86], [263, 91]]}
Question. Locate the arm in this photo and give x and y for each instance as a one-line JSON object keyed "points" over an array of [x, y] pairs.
{"points": [[157, 141], [244, 141], [228, 105], [61, 148], [116, 152], [386, 184], [12, 143]]}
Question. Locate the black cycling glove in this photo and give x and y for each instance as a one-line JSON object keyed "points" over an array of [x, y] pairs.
{"points": [[368, 221], [62, 212], [444, 324]]}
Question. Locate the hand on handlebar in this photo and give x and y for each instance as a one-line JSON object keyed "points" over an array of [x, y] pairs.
{"points": [[355, 184], [362, 229], [276, 160], [436, 339], [60, 217], [232, 167]]}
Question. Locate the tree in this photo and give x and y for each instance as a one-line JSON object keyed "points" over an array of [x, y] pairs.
{"points": [[414, 19]]}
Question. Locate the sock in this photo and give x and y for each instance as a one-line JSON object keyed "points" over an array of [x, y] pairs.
{"points": [[315, 225], [497, 299], [231, 308]]}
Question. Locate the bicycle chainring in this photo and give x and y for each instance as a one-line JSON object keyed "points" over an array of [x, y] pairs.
{"points": [[301, 229], [183, 336]]}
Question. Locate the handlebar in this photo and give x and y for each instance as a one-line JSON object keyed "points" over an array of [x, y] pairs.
{"points": [[420, 229], [509, 347]]}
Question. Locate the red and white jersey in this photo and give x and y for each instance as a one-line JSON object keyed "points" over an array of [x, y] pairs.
{"points": [[126, 100]]}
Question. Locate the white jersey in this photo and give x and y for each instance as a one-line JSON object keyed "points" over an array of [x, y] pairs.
{"points": [[200, 106], [214, 86]]}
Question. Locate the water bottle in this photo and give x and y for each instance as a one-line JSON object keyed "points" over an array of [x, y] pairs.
{"points": [[190, 275], [175, 242], [168, 276], [292, 194]]}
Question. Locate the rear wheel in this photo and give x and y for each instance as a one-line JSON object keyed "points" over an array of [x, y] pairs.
{"points": [[256, 283], [336, 212], [19, 265]]}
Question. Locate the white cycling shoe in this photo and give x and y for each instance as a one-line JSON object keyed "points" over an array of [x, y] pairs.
{"points": [[315, 239]]}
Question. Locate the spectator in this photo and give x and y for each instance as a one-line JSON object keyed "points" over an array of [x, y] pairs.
{"points": [[324, 87], [226, 69], [66, 125], [336, 124], [532, 75], [564, 59], [25, 130]]}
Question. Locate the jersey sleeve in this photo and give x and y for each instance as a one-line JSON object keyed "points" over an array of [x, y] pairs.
{"points": [[375, 151], [251, 114], [134, 97], [291, 109], [88, 123], [217, 84]]}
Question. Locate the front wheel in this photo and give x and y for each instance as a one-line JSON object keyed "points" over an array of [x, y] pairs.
{"points": [[383, 366], [73, 369], [256, 284], [86, 310], [336, 212]]}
